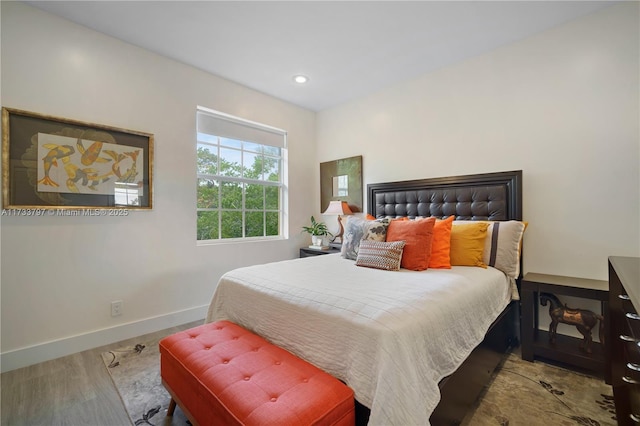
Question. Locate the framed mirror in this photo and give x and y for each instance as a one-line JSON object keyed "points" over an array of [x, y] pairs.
{"points": [[341, 180]]}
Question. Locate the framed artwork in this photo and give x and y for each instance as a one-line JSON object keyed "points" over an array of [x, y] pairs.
{"points": [[58, 163], [341, 180]]}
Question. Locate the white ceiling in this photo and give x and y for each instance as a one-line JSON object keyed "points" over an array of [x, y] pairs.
{"points": [[348, 49]]}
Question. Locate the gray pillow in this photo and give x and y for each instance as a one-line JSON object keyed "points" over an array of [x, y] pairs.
{"points": [[358, 229]]}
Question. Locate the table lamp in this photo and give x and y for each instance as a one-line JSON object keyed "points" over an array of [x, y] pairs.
{"points": [[338, 208]]}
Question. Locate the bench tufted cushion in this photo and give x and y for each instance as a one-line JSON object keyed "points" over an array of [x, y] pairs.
{"points": [[221, 373]]}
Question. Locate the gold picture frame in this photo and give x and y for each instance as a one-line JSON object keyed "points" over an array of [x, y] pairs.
{"points": [[58, 163], [341, 180]]}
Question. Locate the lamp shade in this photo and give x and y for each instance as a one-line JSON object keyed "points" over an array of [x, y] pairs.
{"points": [[338, 207]]}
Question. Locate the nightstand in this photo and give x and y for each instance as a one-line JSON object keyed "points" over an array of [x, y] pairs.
{"points": [[307, 252], [566, 349]]}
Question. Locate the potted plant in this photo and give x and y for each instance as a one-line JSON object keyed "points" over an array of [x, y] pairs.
{"points": [[317, 231]]}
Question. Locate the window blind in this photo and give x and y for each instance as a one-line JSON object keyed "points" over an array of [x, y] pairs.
{"points": [[220, 124]]}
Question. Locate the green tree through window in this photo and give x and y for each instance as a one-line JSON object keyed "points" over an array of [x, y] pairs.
{"points": [[239, 189]]}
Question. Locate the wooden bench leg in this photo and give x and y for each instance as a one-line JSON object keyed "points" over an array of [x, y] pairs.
{"points": [[172, 407]]}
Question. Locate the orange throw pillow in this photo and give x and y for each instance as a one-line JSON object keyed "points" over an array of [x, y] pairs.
{"points": [[417, 235], [441, 244]]}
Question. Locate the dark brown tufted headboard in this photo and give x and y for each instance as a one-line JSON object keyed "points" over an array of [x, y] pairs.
{"points": [[487, 196]]}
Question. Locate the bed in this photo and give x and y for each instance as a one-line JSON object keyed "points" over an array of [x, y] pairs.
{"points": [[416, 346]]}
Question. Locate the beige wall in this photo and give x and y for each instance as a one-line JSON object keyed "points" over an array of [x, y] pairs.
{"points": [[563, 106], [59, 274]]}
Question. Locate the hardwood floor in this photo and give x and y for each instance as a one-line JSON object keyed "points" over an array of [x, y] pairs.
{"points": [[72, 390]]}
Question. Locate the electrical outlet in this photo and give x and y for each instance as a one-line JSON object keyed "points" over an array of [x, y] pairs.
{"points": [[116, 308]]}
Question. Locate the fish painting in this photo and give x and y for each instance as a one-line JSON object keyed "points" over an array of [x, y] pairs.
{"points": [[87, 176], [131, 173], [56, 152], [92, 154], [84, 166]]}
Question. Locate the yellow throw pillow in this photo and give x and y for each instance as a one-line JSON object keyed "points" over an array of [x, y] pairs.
{"points": [[467, 244]]}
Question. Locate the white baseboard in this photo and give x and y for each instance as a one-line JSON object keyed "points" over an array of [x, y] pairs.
{"points": [[35, 354]]}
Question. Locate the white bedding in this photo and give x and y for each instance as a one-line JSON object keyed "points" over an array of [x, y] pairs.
{"points": [[391, 336]]}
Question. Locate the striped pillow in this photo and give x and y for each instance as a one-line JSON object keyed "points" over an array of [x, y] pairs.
{"points": [[380, 254], [502, 246]]}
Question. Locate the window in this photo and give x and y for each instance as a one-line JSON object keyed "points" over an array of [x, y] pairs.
{"points": [[241, 178]]}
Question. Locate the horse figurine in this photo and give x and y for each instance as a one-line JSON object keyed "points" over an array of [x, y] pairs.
{"points": [[583, 319]]}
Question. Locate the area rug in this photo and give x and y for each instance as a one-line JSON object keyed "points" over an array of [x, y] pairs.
{"points": [[135, 371], [535, 393], [521, 393]]}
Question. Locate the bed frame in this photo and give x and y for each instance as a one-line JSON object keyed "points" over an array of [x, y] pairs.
{"points": [[488, 196]]}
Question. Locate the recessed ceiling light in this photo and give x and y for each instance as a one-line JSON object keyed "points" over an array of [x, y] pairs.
{"points": [[300, 79]]}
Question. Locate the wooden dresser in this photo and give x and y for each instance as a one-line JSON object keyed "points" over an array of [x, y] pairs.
{"points": [[624, 306]]}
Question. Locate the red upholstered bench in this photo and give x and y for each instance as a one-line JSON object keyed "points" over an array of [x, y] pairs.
{"points": [[220, 373]]}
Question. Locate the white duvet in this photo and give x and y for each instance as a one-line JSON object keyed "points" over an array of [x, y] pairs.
{"points": [[391, 336]]}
